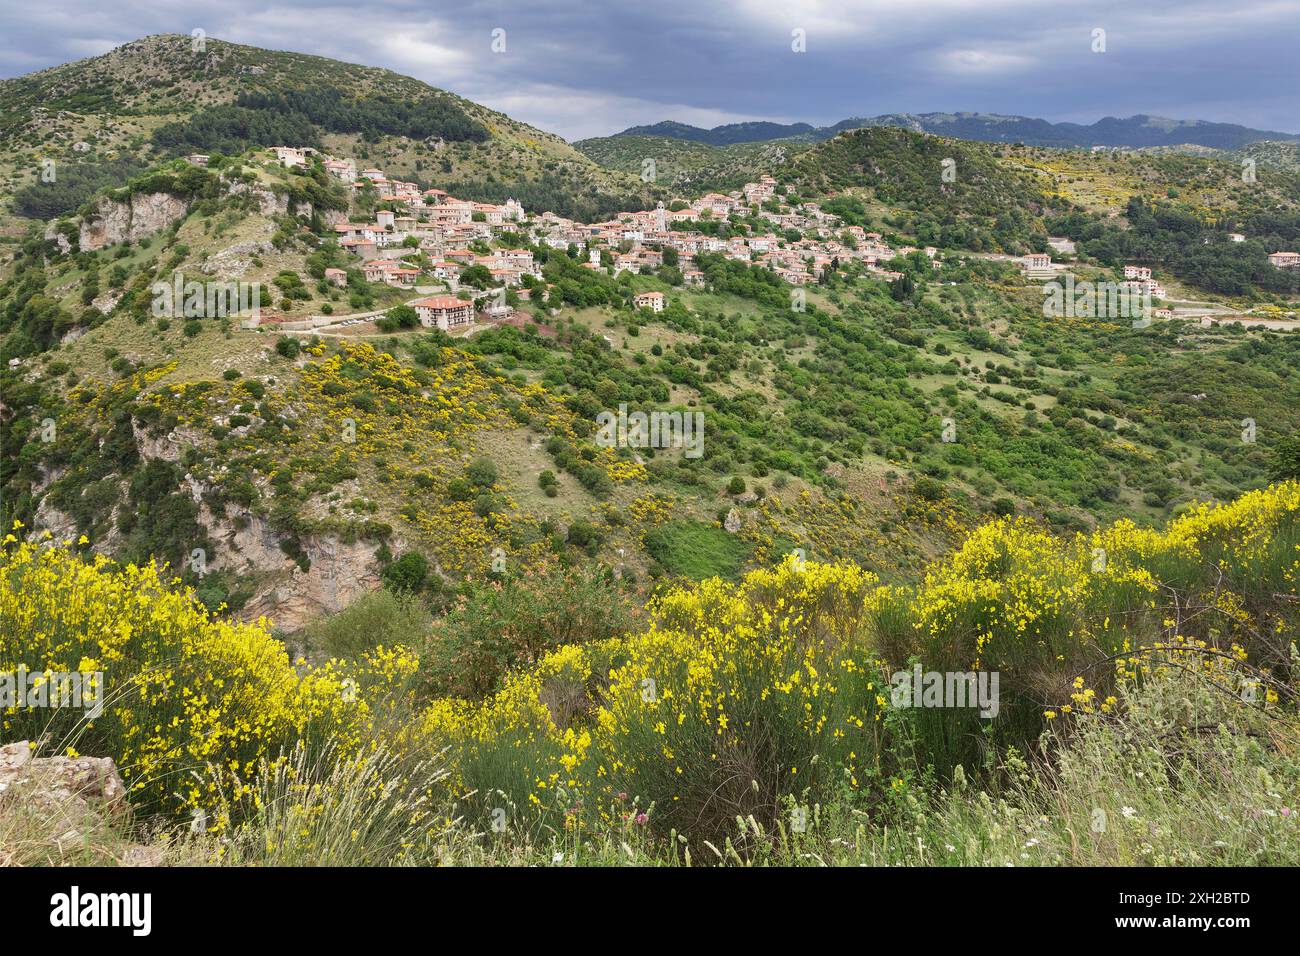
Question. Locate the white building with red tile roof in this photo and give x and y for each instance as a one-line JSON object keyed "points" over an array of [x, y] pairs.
{"points": [[444, 312], [654, 301]]}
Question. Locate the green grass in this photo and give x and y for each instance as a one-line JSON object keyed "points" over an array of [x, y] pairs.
{"points": [[696, 550]]}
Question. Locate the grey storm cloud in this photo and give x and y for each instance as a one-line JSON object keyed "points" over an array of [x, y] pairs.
{"points": [[588, 69]]}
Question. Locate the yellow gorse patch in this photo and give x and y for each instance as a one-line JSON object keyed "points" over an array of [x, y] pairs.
{"points": [[783, 674], [736, 697], [192, 704]]}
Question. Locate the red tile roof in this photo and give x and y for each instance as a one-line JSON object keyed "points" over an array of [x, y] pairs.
{"points": [[441, 302]]}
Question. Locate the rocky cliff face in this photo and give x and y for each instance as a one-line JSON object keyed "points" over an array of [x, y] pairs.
{"points": [[112, 222], [142, 216], [269, 203], [339, 572]]}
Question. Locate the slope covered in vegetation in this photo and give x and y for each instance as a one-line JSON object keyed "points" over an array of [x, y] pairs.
{"points": [[686, 166], [739, 714]]}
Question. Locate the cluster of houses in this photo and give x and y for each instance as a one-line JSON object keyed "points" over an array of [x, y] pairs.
{"points": [[443, 228], [635, 241], [1138, 279], [1038, 265]]}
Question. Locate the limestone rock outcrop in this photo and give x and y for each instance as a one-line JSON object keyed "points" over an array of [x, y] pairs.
{"points": [[143, 215], [66, 798]]}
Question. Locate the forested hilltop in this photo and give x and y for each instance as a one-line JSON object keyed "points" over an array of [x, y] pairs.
{"points": [[158, 97]]}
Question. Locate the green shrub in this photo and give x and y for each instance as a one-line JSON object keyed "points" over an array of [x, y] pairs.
{"points": [[482, 472], [499, 626], [407, 573], [384, 618]]}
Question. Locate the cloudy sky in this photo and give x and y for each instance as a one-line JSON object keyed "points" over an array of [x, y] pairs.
{"points": [[593, 67]]}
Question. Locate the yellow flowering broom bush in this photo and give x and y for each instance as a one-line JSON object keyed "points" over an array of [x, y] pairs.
{"points": [[521, 754], [191, 705], [741, 696], [738, 696], [1043, 613], [736, 699]]}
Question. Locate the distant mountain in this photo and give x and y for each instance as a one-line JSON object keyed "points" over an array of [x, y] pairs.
{"points": [[725, 135], [1135, 132]]}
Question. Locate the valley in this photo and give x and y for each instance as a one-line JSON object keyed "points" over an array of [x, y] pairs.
{"points": [[305, 375]]}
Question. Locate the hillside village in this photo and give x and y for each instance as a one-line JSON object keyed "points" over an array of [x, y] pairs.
{"points": [[439, 228], [421, 236]]}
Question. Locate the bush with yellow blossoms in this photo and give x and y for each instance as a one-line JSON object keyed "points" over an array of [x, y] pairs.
{"points": [[737, 697], [1044, 612], [191, 705]]}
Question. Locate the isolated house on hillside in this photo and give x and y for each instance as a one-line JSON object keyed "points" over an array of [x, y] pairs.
{"points": [[654, 301], [290, 156], [1038, 265]]}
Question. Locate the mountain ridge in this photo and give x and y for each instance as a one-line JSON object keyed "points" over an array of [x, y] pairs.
{"points": [[1138, 131]]}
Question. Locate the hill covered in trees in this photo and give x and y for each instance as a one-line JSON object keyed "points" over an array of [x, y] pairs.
{"points": [[164, 96], [825, 424], [772, 720]]}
